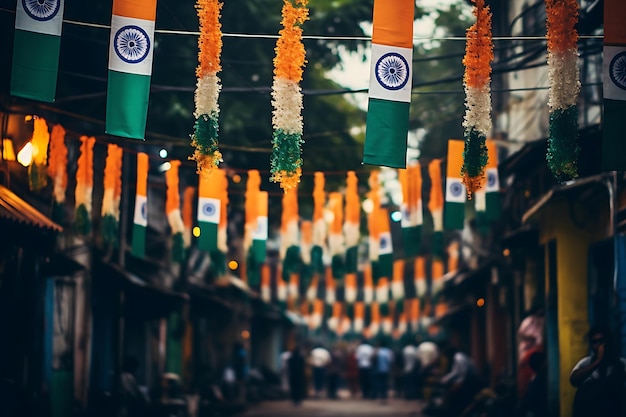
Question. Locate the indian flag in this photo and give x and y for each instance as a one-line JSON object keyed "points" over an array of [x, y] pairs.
{"points": [[374, 326], [435, 205], [259, 236], [188, 200], [331, 294], [112, 194], [397, 283], [419, 278], [319, 224], [174, 215], [415, 314], [130, 67], [614, 86], [266, 289], [359, 317], [350, 287], [336, 243], [140, 218], [352, 222], [209, 211], [368, 285], [487, 198], [57, 170], [385, 248], [84, 186], [36, 46], [387, 124], [411, 207], [456, 194]]}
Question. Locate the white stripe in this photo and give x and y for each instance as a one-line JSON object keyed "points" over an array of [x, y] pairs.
{"points": [[480, 202], [49, 21], [140, 217], [389, 79], [493, 182], [614, 62], [131, 45], [455, 190], [209, 210], [261, 229]]}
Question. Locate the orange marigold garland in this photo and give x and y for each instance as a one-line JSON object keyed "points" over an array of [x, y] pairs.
{"points": [[286, 160], [477, 78], [205, 136], [562, 155]]}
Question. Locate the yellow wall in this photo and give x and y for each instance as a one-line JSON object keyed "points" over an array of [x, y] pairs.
{"points": [[572, 245]]}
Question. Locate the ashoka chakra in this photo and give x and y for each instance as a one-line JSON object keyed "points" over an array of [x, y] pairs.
{"points": [[41, 10], [617, 70], [131, 44], [392, 71]]}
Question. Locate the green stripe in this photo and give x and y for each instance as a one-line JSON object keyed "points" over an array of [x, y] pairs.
{"points": [[412, 239], [352, 259], [259, 250], [385, 266], [386, 133], [127, 104], [613, 137], [492, 201], [35, 65], [453, 215], [138, 247], [207, 241]]}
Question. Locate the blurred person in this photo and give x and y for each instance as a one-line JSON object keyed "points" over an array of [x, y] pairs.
{"points": [[599, 378], [530, 335], [320, 359], [335, 369], [352, 372], [461, 382], [410, 371], [364, 354], [382, 362], [534, 403], [296, 376], [284, 370], [428, 359]]}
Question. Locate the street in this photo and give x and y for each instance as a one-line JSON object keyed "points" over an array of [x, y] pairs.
{"points": [[335, 408]]}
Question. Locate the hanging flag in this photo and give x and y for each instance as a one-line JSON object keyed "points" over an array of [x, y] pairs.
{"points": [[411, 208], [374, 327], [306, 245], [420, 277], [255, 228], [281, 287], [112, 194], [397, 284], [336, 244], [289, 233], [84, 186], [359, 317], [57, 170], [140, 217], [614, 86], [387, 124], [252, 189], [334, 319], [259, 237], [492, 187], [37, 175], [36, 46], [318, 314], [172, 210], [453, 256], [350, 288], [437, 277], [130, 67], [312, 290], [351, 227], [385, 251], [373, 223], [319, 224], [219, 256], [368, 284], [209, 211], [188, 197], [456, 194], [331, 295], [266, 289], [415, 314], [435, 205]]}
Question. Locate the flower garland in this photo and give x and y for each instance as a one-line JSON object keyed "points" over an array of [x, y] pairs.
{"points": [[563, 149], [206, 127], [476, 80], [112, 194], [37, 170], [286, 160], [84, 186]]}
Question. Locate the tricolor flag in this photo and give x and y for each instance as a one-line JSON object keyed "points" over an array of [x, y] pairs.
{"points": [[331, 294], [350, 288], [385, 248], [336, 244], [437, 277], [319, 224], [334, 319], [312, 290], [492, 186], [266, 289], [140, 218], [368, 285], [112, 194], [188, 199], [289, 233], [411, 207], [281, 287], [614, 86], [387, 124], [352, 222], [36, 46], [359, 317], [456, 194], [374, 326], [318, 314], [209, 210], [174, 215], [415, 314], [419, 278], [84, 186], [57, 170], [37, 175], [259, 237], [306, 244], [397, 283], [130, 67], [435, 205]]}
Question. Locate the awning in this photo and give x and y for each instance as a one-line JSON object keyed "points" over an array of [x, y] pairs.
{"points": [[592, 182], [13, 209]]}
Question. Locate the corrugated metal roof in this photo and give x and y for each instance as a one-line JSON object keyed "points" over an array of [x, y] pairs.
{"points": [[14, 209]]}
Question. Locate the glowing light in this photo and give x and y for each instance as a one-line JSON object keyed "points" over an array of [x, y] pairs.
{"points": [[163, 153], [233, 265], [236, 178], [25, 155], [165, 166], [8, 152], [480, 302], [245, 334], [396, 216], [196, 231], [506, 252]]}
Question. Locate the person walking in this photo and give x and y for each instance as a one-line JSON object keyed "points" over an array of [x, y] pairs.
{"points": [[295, 371], [352, 372], [363, 355], [320, 359], [382, 361], [599, 378], [462, 382], [410, 371]]}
